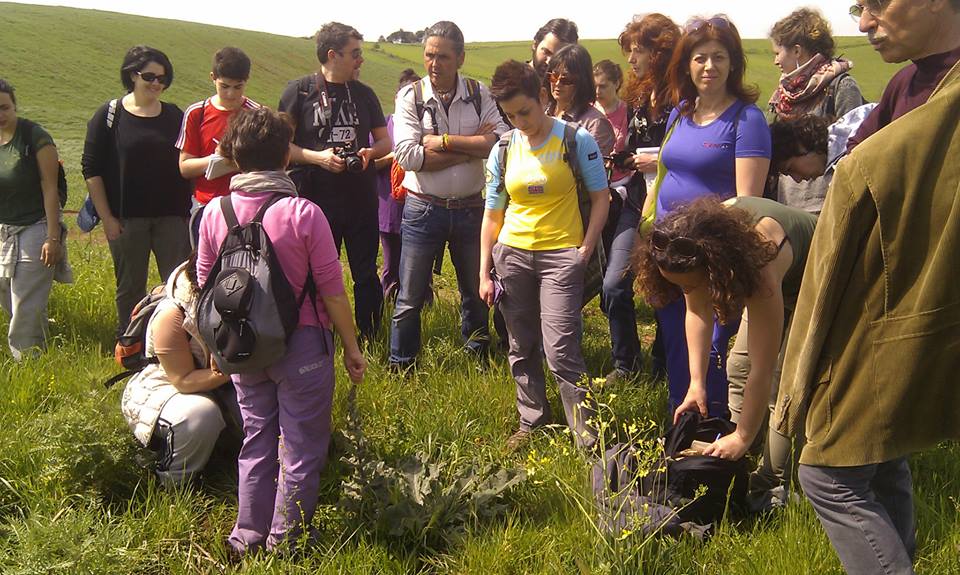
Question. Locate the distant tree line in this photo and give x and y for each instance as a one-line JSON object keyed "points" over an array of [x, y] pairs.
{"points": [[402, 36]]}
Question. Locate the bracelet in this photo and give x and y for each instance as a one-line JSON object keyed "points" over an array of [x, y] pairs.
{"points": [[444, 142], [53, 240]]}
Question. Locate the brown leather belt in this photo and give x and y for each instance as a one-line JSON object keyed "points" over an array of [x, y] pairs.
{"points": [[475, 201]]}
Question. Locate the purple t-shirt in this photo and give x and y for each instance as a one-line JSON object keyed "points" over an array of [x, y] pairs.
{"points": [[390, 210], [701, 160]]}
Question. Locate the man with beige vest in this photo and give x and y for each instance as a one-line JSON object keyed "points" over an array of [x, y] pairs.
{"points": [[871, 365]]}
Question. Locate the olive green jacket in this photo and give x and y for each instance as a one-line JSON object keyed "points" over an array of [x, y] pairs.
{"points": [[872, 367]]}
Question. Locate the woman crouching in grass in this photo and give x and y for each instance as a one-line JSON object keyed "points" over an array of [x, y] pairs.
{"points": [[286, 407], [745, 255]]}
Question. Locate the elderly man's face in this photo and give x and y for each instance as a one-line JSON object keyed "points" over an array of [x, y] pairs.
{"points": [[900, 30]]}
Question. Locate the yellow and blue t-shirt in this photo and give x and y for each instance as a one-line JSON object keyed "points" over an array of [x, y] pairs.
{"points": [[544, 212]]}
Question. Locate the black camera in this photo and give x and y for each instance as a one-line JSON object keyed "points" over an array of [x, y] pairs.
{"points": [[619, 159], [349, 155]]}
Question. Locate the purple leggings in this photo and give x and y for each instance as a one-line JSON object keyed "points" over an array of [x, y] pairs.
{"points": [[286, 426], [390, 272], [671, 319]]}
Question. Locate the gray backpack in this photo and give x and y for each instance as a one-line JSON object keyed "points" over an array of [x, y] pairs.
{"points": [[247, 311]]}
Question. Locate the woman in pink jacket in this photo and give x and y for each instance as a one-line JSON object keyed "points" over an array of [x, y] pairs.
{"points": [[285, 407]]}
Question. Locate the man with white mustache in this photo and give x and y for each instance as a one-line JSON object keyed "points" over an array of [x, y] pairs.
{"points": [[869, 376], [926, 32]]}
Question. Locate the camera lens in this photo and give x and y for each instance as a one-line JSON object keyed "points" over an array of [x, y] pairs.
{"points": [[354, 164]]}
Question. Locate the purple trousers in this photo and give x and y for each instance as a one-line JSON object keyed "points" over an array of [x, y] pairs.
{"points": [[286, 427], [390, 272]]}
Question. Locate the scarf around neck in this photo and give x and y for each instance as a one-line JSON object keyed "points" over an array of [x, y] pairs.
{"points": [[263, 182], [802, 90]]}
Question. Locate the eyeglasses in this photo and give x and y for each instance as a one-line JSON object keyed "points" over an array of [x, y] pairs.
{"points": [[872, 7], [150, 77], [695, 24], [562, 79], [355, 54], [681, 252]]}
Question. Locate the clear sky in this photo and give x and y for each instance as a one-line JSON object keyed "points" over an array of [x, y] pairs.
{"points": [[480, 20]]}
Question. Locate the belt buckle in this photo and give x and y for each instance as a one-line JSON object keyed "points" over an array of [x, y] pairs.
{"points": [[448, 203]]}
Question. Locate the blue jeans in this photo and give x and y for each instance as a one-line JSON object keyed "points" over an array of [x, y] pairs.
{"points": [[424, 230], [619, 236], [672, 319]]}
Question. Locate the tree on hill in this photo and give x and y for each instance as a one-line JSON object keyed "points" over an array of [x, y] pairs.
{"points": [[401, 36]]}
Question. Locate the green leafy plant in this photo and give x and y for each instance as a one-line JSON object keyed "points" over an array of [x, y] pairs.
{"points": [[425, 501]]}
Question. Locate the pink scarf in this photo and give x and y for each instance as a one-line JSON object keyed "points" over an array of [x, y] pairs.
{"points": [[802, 90]]}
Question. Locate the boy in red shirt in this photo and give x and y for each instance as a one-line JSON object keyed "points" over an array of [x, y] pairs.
{"points": [[203, 126]]}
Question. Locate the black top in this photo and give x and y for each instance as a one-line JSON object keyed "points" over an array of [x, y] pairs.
{"points": [[646, 132], [354, 113], [138, 161]]}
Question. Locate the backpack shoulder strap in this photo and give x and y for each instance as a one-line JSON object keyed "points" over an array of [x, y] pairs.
{"points": [[112, 113], [502, 146], [266, 206], [473, 95], [570, 152], [229, 215], [418, 98], [303, 90]]}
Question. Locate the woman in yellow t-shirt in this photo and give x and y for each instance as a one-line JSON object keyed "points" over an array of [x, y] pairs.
{"points": [[533, 252]]}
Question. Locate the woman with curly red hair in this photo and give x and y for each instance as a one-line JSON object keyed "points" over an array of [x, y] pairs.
{"points": [[648, 43], [743, 257]]}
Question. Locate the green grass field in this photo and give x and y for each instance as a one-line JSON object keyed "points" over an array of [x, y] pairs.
{"points": [[74, 500]]}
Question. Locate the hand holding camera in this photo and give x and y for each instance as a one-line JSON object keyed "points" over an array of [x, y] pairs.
{"points": [[352, 162]]}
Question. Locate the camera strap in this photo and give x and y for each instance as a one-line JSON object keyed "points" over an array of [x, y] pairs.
{"points": [[328, 115]]}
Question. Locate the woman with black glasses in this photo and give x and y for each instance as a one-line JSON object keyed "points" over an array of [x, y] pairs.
{"points": [[717, 144], [130, 163], [573, 92], [743, 257]]}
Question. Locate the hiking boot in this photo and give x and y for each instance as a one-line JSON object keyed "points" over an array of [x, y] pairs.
{"points": [[517, 440]]}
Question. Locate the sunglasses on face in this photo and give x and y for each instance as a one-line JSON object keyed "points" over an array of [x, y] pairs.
{"points": [[872, 7], [679, 252], [696, 24], [150, 77], [561, 79]]}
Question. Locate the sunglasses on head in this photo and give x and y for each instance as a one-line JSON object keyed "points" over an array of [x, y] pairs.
{"points": [[679, 252], [150, 77], [562, 79], [696, 24]]}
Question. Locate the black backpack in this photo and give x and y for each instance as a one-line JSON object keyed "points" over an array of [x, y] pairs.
{"points": [[622, 488], [247, 310]]}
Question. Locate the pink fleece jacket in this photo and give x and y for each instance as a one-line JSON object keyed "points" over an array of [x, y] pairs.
{"points": [[299, 232]]}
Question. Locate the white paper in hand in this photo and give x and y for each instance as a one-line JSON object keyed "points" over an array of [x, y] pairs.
{"points": [[218, 166]]}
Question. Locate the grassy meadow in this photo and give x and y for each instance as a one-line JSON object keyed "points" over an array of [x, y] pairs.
{"points": [[74, 500]]}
